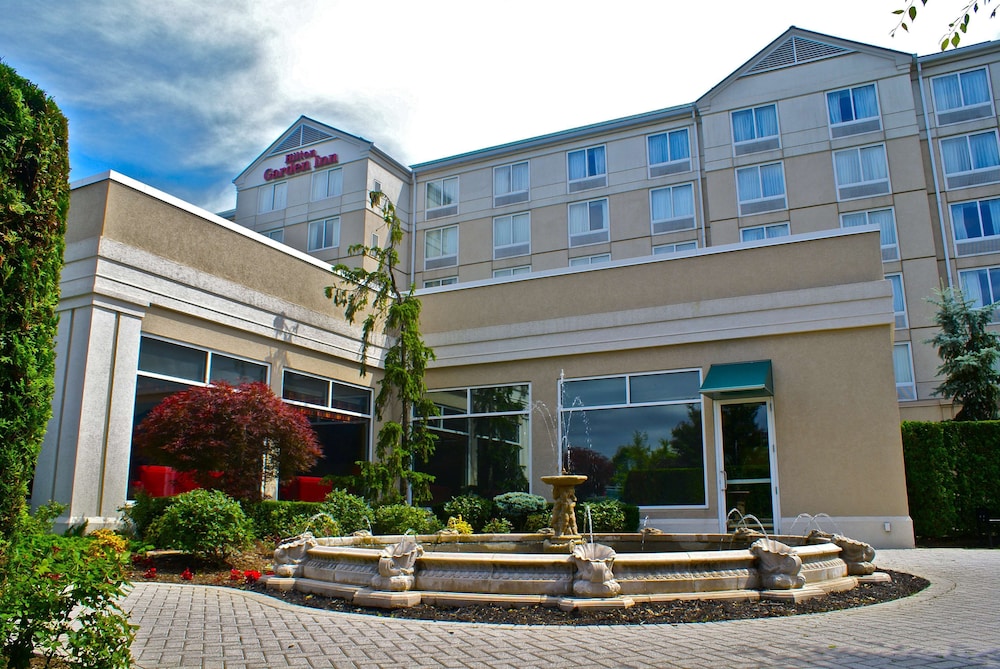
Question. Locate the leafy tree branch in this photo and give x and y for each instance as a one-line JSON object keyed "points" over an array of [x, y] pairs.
{"points": [[958, 27]]}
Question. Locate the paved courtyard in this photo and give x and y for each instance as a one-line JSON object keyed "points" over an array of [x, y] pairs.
{"points": [[954, 623]]}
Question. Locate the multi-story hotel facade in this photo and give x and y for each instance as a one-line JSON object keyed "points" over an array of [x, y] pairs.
{"points": [[719, 305]]}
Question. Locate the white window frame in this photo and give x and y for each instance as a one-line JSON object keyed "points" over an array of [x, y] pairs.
{"points": [[331, 233], [598, 179], [330, 404], [449, 208], [516, 247], [672, 223], [676, 247], [503, 197], [979, 244], [446, 281], [327, 184], [890, 250], [591, 235], [994, 289], [596, 259], [898, 290], [671, 165], [866, 187], [975, 176], [770, 230], [758, 142], [277, 235], [749, 206], [206, 379], [272, 197], [964, 111], [511, 271], [856, 126], [442, 259], [906, 391]]}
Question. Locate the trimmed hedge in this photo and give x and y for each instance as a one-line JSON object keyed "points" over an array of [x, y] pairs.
{"points": [[952, 469]]}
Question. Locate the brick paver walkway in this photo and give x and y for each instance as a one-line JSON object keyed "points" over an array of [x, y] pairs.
{"points": [[954, 623]]}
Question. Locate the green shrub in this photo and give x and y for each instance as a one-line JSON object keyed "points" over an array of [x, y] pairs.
{"points": [[474, 509], [207, 523], [34, 201], [517, 506], [930, 481], [498, 526], [403, 518], [351, 511], [534, 522], [63, 600], [277, 519], [145, 509], [607, 515]]}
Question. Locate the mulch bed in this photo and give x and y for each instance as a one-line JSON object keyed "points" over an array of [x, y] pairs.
{"points": [[169, 567]]}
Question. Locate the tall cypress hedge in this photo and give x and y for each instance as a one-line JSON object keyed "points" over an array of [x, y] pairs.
{"points": [[34, 201]]}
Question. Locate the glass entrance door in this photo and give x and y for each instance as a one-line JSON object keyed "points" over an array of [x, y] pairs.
{"points": [[746, 454]]}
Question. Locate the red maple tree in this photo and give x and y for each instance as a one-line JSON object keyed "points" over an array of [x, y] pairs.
{"points": [[229, 438]]}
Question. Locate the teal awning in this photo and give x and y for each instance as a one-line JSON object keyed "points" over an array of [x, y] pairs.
{"points": [[739, 379]]}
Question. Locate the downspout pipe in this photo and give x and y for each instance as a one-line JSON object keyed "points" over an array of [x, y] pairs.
{"points": [[413, 226], [945, 243]]}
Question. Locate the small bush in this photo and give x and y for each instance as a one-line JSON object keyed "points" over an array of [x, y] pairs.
{"points": [[609, 515], [403, 518], [138, 516], [498, 526], [516, 506], [537, 521], [474, 509], [459, 525], [63, 599], [350, 511], [207, 523], [274, 520]]}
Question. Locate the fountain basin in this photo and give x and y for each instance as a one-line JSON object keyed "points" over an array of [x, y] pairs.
{"points": [[516, 570]]}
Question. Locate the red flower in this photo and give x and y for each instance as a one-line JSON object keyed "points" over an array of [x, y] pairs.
{"points": [[187, 575], [251, 576], [235, 575], [150, 573]]}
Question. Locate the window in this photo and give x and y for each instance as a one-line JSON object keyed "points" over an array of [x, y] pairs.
{"points": [[272, 197], [962, 96], [977, 226], [328, 183], [590, 260], [755, 129], [669, 152], [482, 440], [441, 247], [853, 111], [981, 286], [971, 160], [511, 236], [324, 393], [898, 299], [764, 232], [885, 219], [324, 234], [442, 198], [588, 223], [663, 415], [902, 363], [511, 271], [761, 188], [447, 281], [510, 184], [861, 172], [587, 168], [672, 208], [277, 235], [667, 249]]}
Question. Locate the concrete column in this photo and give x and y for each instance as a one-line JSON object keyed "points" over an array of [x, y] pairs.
{"points": [[85, 456]]}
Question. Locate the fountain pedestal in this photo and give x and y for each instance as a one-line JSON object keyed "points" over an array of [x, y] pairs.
{"points": [[564, 532]]}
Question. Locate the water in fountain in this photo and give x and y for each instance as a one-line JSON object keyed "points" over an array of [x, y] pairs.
{"points": [[812, 523], [743, 522], [590, 522], [323, 530]]}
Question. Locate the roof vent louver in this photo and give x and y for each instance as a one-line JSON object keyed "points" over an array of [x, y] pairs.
{"points": [[795, 51], [301, 136]]}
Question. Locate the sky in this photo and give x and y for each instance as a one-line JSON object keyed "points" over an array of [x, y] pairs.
{"points": [[184, 94]]}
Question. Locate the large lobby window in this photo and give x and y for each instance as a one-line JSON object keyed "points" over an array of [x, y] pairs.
{"points": [[482, 441], [639, 437], [166, 368], [340, 414]]}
